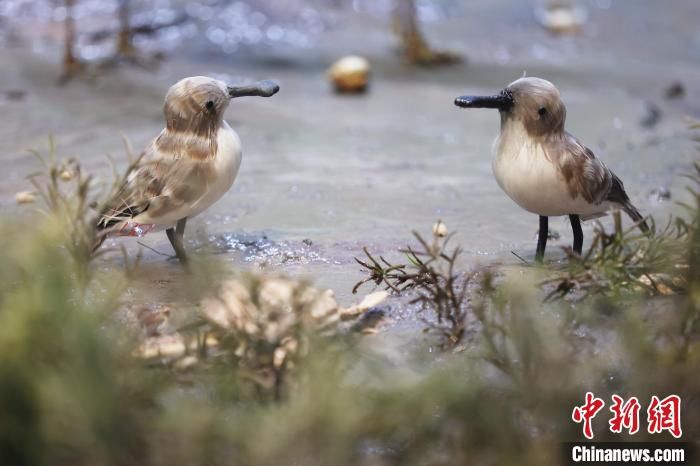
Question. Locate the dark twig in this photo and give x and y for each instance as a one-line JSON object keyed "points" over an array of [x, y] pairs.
{"points": [[431, 273]]}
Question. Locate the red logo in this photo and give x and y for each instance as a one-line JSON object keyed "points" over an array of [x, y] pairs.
{"points": [[665, 415], [587, 412], [625, 415], [662, 415]]}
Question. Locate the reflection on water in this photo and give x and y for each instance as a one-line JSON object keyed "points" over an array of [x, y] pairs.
{"points": [[227, 25], [224, 24]]}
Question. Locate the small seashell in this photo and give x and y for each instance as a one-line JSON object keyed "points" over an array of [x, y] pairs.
{"points": [[372, 300], [350, 74], [66, 175], [25, 197], [439, 229], [367, 303], [561, 17], [659, 282]]}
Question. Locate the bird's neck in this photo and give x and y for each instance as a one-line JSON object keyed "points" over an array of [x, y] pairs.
{"points": [[514, 137], [188, 144], [201, 125]]}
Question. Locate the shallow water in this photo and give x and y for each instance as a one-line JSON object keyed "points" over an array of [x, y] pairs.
{"points": [[324, 175]]}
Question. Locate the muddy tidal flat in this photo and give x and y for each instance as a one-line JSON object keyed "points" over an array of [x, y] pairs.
{"points": [[324, 175]]}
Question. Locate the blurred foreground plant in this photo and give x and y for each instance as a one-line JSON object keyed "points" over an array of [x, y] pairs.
{"points": [[74, 391], [68, 391], [73, 201], [261, 328], [625, 260]]}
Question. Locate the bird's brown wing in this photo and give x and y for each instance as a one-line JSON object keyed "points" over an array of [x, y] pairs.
{"points": [[589, 177], [161, 184], [585, 174]]}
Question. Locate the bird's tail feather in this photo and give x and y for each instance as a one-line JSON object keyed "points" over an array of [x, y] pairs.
{"points": [[101, 234], [636, 216]]}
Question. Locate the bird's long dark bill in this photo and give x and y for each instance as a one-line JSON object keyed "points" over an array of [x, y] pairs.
{"points": [[265, 88], [499, 101]]}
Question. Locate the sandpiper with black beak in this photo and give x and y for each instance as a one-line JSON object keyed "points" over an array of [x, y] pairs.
{"points": [[188, 167], [543, 168]]}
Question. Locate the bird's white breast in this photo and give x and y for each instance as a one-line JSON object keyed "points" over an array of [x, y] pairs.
{"points": [[225, 168], [530, 178]]}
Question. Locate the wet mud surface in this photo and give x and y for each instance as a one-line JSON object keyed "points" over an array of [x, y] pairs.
{"points": [[324, 175]]}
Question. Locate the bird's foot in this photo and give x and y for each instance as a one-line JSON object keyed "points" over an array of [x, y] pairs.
{"points": [[71, 68], [429, 57], [175, 257], [132, 57], [416, 51]]}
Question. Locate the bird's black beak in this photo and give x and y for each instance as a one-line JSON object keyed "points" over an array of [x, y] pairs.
{"points": [[265, 88], [502, 101]]}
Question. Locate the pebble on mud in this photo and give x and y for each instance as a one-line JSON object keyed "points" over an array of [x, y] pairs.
{"points": [[659, 194], [675, 91], [14, 95], [652, 115], [350, 74], [25, 197]]}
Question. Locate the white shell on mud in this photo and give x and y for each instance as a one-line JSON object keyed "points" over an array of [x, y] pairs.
{"points": [[440, 230], [25, 197], [350, 74], [564, 17]]}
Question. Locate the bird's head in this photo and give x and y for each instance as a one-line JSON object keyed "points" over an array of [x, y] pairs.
{"points": [[197, 104], [534, 102]]}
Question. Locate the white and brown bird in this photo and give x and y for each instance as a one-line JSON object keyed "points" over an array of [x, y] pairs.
{"points": [[188, 167], [543, 168]]}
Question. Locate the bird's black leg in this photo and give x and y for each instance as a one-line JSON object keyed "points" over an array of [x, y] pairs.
{"points": [[542, 238], [578, 233], [175, 235]]}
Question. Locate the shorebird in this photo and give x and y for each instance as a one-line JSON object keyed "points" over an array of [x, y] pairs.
{"points": [[543, 168], [188, 167]]}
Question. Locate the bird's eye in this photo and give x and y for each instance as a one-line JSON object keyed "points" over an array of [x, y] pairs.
{"points": [[209, 104], [542, 111]]}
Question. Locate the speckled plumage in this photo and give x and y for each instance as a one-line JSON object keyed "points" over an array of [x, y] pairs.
{"points": [[189, 166], [545, 169], [184, 170], [542, 167]]}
